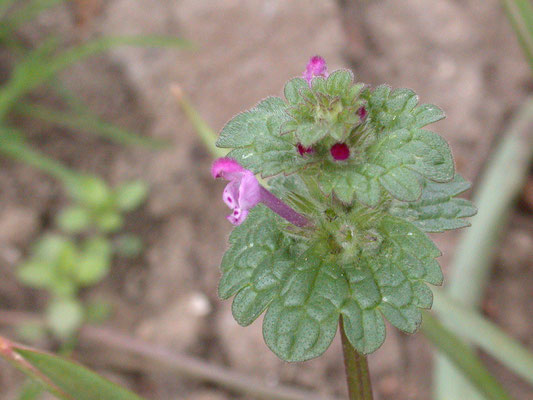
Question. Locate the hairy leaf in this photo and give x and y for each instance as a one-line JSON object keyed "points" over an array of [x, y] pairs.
{"points": [[301, 323], [438, 210], [255, 136], [390, 110], [391, 283], [255, 264]]}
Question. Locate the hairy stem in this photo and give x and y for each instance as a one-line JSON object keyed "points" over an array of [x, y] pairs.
{"points": [[282, 209], [357, 374]]}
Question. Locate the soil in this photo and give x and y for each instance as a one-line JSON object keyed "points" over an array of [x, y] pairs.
{"points": [[461, 55]]}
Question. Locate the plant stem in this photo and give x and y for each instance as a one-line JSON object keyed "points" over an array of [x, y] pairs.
{"points": [[357, 374]]}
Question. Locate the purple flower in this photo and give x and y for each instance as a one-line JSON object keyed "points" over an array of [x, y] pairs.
{"points": [[315, 67], [241, 193]]}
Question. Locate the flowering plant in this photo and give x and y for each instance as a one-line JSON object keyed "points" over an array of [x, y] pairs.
{"points": [[356, 184]]}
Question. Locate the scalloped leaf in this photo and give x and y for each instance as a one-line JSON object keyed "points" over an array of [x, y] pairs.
{"points": [[255, 252], [301, 323], [293, 90], [438, 210], [392, 282], [396, 109], [395, 162], [255, 136]]}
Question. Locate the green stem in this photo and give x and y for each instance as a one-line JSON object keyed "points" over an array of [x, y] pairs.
{"points": [[356, 365]]}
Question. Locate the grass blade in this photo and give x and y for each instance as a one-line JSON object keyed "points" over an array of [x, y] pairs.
{"points": [[463, 357], [500, 184], [485, 334], [12, 146], [520, 14], [40, 65], [61, 377], [86, 122], [204, 131], [27, 13]]}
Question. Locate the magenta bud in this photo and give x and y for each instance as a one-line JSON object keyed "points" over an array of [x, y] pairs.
{"points": [[315, 67], [362, 113], [302, 150], [340, 151]]}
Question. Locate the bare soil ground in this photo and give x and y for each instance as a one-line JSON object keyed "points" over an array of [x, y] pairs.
{"points": [[461, 55]]}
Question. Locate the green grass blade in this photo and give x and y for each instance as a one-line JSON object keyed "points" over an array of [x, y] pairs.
{"points": [[472, 326], [463, 358], [204, 131], [500, 184], [12, 146], [41, 66], [61, 377], [520, 14], [86, 122], [28, 12], [31, 390]]}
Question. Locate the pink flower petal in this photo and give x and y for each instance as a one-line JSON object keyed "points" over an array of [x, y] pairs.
{"points": [[226, 168], [249, 194]]}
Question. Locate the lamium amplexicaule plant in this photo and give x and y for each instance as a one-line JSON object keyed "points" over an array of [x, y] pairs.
{"points": [[339, 237]]}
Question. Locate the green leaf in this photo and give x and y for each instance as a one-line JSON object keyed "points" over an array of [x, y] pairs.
{"points": [[391, 282], [63, 378], [131, 195], [301, 323], [395, 162], [64, 316], [339, 81], [310, 133], [90, 190], [254, 243], [256, 138], [438, 210], [109, 221], [36, 274], [94, 262], [390, 110], [293, 88], [74, 219]]}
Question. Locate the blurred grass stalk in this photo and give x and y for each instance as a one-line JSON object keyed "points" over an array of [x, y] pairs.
{"points": [[204, 131], [501, 183], [86, 122], [470, 325], [463, 357], [41, 64], [520, 14]]}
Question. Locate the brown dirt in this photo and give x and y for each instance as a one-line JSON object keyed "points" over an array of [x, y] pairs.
{"points": [[460, 55]]}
